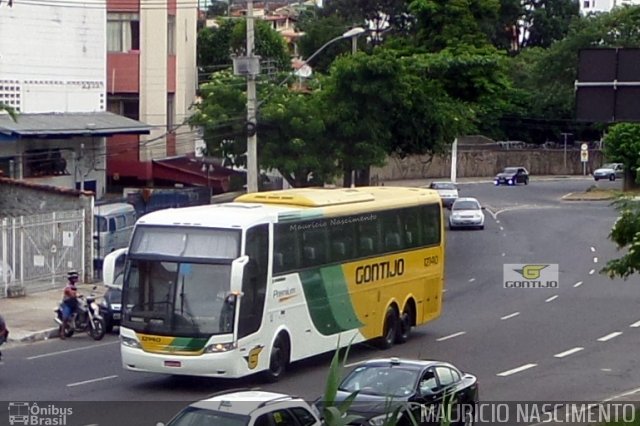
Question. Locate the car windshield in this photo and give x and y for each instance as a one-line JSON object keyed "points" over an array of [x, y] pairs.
{"points": [[443, 185], [510, 170], [113, 295], [608, 166], [192, 416], [389, 381], [466, 205]]}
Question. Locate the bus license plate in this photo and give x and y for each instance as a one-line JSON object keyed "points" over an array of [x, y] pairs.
{"points": [[172, 364]]}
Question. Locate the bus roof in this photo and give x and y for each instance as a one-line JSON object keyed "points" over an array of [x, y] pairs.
{"points": [[324, 197], [291, 204]]}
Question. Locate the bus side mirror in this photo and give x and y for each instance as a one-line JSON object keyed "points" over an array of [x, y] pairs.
{"points": [[109, 266]]}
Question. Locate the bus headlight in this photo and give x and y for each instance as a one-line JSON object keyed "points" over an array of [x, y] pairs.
{"points": [[219, 347], [128, 341]]}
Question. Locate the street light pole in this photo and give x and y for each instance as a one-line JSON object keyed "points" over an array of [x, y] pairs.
{"points": [[252, 138], [354, 50]]}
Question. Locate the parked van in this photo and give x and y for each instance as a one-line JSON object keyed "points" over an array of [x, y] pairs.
{"points": [[113, 224]]}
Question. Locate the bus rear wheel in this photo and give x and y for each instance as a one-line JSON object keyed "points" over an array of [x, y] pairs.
{"points": [[278, 360], [390, 328]]}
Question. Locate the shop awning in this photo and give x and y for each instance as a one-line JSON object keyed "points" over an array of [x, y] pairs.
{"points": [[193, 171]]}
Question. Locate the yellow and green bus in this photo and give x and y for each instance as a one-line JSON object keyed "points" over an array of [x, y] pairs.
{"points": [[238, 288]]}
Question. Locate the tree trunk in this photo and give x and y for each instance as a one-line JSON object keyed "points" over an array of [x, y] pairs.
{"points": [[346, 177], [629, 182]]}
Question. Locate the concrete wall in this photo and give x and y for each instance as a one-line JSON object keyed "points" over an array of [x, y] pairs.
{"points": [[19, 198], [486, 163]]}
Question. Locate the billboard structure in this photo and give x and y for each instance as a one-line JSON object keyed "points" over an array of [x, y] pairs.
{"points": [[608, 85]]}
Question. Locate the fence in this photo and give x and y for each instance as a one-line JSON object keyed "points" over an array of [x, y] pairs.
{"points": [[37, 251]]}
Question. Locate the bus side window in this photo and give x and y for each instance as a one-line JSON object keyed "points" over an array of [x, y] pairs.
{"points": [[285, 249], [314, 247], [431, 224], [392, 231], [411, 224], [112, 225]]}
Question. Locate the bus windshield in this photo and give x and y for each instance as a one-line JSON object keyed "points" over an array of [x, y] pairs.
{"points": [[178, 299]]}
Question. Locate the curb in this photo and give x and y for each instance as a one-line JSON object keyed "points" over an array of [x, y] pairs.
{"points": [[567, 197], [37, 336]]}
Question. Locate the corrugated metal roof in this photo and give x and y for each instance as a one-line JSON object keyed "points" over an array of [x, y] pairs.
{"points": [[71, 124]]}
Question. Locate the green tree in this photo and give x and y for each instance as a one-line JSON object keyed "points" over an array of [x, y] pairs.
{"points": [[214, 47], [377, 15], [446, 23], [316, 33], [547, 21], [9, 110], [218, 8], [269, 44], [622, 144], [293, 140]]}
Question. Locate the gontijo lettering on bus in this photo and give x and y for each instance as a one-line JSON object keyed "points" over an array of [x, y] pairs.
{"points": [[379, 271]]}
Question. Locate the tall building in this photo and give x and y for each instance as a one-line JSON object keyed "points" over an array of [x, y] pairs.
{"points": [[52, 73], [152, 77]]}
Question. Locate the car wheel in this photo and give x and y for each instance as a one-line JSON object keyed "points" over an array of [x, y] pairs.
{"points": [[451, 227], [278, 360], [526, 181], [595, 178], [108, 326], [612, 178], [481, 227], [389, 329]]}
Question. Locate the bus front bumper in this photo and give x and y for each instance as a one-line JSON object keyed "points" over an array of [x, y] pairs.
{"points": [[228, 364]]}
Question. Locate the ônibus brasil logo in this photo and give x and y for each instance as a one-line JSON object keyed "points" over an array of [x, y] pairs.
{"points": [[32, 414], [530, 275]]}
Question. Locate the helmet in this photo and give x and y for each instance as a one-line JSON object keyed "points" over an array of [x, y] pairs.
{"points": [[72, 275]]}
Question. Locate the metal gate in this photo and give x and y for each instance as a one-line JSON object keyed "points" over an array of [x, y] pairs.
{"points": [[37, 251]]}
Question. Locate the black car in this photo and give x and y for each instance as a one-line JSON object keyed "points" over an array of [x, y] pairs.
{"points": [[111, 306], [512, 176], [384, 385]]}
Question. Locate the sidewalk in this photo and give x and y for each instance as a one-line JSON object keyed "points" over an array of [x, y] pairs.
{"points": [[30, 318]]}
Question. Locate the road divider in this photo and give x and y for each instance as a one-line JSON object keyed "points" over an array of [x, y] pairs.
{"points": [[86, 382], [610, 336], [551, 299], [516, 370], [568, 352], [506, 317], [451, 336]]}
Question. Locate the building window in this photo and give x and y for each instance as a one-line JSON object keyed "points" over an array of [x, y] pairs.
{"points": [[586, 5], [171, 112], [44, 162], [123, 32], [171, 35], [8, 167], [128, 106]]}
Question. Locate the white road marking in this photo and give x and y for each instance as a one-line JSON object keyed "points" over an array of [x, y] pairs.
{"points": [[515, 314], [86, 382], [451, 336], [516, 370], [472, 280], [621, 395], [551, 299], [606, 370], [569, 352], [578, 284], [595, 260], [635, 324], [497, 221], [504, 235], [609, 336], [66, 351], [504, 254], [591, 272], [501, 228], [593, 249]]}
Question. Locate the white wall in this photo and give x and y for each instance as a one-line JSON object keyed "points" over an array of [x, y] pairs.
{"points": [[589, 6], [53, 57]]}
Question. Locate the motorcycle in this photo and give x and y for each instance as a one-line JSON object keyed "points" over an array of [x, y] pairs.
{"points": [[86, 318]]}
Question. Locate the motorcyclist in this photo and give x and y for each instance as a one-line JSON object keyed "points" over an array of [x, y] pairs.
{"points": [[69, 301], [4, 333]]}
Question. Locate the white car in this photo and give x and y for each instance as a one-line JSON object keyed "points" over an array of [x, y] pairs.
{"points": [[448, 192], [466, 213], [248, 408], [609, 171]]}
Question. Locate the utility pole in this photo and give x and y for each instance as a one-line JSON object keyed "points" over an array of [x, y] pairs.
{"points": [[354, 50], [454, 160], [252, 103]]}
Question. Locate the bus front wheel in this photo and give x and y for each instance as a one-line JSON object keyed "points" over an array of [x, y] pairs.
{"points": [[278, 360], [390, 328]]}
